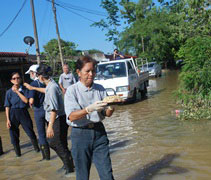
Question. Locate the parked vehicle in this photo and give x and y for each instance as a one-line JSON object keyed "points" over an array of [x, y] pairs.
{"points": [[179, 63], [153, 68], [121, 77]]}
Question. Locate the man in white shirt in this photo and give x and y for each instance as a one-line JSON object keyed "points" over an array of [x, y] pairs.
{"points": [[66, 79]]}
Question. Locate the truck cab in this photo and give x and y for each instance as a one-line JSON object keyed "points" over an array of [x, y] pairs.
{"points": [[121, 77]]}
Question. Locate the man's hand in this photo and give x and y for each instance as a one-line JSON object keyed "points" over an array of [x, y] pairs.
{"points": [[29, 87], [63, 90], [15, 88], [30, 105], [8, 124], [110, 108], [96, 106], [50, 132], [31, 102]]}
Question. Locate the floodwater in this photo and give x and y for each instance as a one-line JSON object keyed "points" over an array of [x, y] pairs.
{"points": [[146, 142]]}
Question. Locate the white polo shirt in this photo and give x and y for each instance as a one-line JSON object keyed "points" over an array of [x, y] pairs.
{"points": [[66, 80]]}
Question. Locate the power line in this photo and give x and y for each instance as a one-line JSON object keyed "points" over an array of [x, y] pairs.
{"points": [[77, 14], [10, 24], [78, 8], [72, 11]]}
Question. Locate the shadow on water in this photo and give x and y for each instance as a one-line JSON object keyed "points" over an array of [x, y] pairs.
{"points": [[29, 148], [115, 145], [110, 132], [152, 93], [155, 167]]}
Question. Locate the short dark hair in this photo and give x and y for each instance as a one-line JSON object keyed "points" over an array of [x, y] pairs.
{"points": [[45, 71], [116, 50], [14, 74], [65, 64], [83, 60]]}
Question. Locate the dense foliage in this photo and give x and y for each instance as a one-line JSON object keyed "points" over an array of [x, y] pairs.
{"points": [[195, 79], [155, 31]]}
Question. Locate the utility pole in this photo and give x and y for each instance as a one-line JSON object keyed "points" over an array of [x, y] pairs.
{"points": [[57, 32], [35, 32]]}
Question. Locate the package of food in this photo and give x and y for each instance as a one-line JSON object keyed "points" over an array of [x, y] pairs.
{"points": [[115, 99]]}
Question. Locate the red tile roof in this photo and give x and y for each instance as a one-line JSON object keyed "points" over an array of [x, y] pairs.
{"points": [[12, 54]]}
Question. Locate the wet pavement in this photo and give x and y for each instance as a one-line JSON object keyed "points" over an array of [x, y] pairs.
{"points": [[146, 142]]}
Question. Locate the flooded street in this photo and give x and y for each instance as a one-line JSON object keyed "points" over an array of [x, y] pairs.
{"points": [[146, 142]]}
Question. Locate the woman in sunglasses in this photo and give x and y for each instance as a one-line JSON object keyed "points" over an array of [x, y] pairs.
{"points": [[16, 113]]}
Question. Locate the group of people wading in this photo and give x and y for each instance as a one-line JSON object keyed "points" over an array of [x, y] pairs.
{"points": [[56, 107]]}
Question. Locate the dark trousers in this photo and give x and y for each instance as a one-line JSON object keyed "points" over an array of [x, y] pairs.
{"points": [[91, 145], [17, 117], [39, 116], [59, 141]]}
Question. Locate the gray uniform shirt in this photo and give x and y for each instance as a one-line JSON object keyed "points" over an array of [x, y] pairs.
{"points": [[78, 97], [53, 100], [66, 80]]}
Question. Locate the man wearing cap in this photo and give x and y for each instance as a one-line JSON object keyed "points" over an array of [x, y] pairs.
{"points": [[66, 78], [36, 100]]}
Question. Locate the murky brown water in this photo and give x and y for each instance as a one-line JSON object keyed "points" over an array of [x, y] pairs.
{"points": [[146, 142]]}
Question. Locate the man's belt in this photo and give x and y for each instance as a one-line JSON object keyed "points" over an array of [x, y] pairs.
{"points": [[90, 125]]}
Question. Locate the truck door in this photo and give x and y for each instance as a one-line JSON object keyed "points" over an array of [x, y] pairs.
{"points": [[131, 76]]}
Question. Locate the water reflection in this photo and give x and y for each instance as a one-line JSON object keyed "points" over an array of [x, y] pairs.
{"points": [[122, 123]]}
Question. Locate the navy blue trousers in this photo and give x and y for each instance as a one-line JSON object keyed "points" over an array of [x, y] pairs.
{"points": [[17, 117], [39, 116], [91, 145]]}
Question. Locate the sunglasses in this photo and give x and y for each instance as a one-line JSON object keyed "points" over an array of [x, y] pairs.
{"points": [[16, 78]]}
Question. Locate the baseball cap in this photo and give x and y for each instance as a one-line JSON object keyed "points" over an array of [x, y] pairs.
{"points": [[32, 68]]}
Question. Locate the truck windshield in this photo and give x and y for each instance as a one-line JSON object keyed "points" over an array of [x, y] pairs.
{"points": [[150, 65], [111, 70]]}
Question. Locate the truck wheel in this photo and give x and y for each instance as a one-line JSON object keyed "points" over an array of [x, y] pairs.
{"points": [[134, 95], [160, 74], [144, 92]]}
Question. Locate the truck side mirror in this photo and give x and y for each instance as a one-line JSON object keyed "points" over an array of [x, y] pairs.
{"points": [[110, 91]]}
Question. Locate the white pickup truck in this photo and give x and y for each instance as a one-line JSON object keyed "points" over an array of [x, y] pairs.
{"points": [[121, 77]]}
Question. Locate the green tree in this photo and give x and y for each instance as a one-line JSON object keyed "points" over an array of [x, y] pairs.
{"points": [[150, 32], [111, 23], [156, 32], [52, 48], [51, 51]]}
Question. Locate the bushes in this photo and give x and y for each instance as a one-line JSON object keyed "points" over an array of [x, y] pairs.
{"points": [[196, 107], [195, 79]]}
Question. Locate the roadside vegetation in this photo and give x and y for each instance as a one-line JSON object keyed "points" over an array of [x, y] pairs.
{"points": [[194, 92]]}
